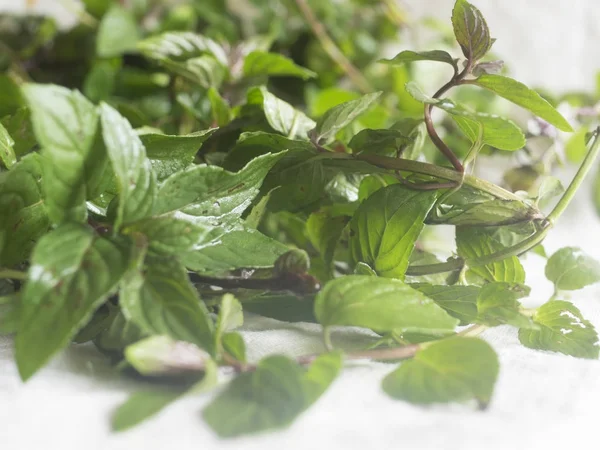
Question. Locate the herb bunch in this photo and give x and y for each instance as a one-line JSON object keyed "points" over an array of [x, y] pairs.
{"points": [[197, 163]]}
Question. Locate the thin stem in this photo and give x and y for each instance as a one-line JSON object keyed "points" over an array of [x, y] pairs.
{"points": [[332, 49], [578, 179], [438, 172], [327, 339], [301, 284], [473, 330], [12, 274]]}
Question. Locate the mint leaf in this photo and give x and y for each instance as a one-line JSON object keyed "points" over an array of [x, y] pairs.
{"points": [[178, 46], [455, 369], [7, 151], [270, 397], [324, 230], [221, 112], [160, 299], [379, 304], [234, 250], [209, 194], [72, 273], [117, 33], [473, 243], [233, 343], [340, 116], [562, 329], [18, 125], [282, 116], [497, 132], [171, 153], [119, 334], [10, 96], [135, 178], [230, 317], [408, 56], [143, 405], [497, 304], [521, 95], [386, 226], [161, 355], [458, 301], [65, 124], [259, 63], [379, 142], [101, 80], [570, 269], [471, 30]]}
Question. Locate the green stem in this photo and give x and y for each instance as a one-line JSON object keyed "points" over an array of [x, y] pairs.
{"points": [[438, 172], [12, 274], [327, 339], [585, 167], [473, 330]]}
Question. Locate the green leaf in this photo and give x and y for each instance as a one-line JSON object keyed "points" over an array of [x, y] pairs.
{"points": [[161, 355], [521, 95], [100, 81], [119, 334], [386, 226], [576, 146], [562, 329], [117, 33], [379, 304], [497, 304], [172, 153], [500, 133], [282, 306], [143, 405], [209, 194], [340, 116], [234, 345], [230, 317], [408, 56], [549, 188], [259, 63], [221, 113], [571, 269], [386, 142], [181, 46], [473, 243], [7, 152], [135, 178], [20, 129], [235, 250], [10, 96], [65, 124], [471, 30], [455, 369], [282, 116], [458, 301], [324, 230], [9, 313], [271, 397], [72, 273], [160, 299]]}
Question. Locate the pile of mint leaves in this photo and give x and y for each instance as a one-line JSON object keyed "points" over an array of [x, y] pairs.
{"points": [[166, 169]]}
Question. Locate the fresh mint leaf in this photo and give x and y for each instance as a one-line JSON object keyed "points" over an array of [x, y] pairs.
{"points": [[7, 151], [221, 112], [562, 329], [408, 56], [133, 171], [282, 116], [100, 82], [497, 304], [72, 273], [521, 95], [473, 243], [570, 269], [233, 343], [259, 63], [117, 32], [66, 124], [471, 30], [169, 154], [380, 304], [458, 301], [455, 369], [387, 142], [235, 250], [386, 226], [324, 230], [161, 355], [119, 334], [160, 299], [340, 116], [497, 132], [180, 46], [270, 397], [230, 317], [11, 98], [18, 125]]}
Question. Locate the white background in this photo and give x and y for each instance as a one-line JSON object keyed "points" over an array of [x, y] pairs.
{"points": [[542, 400]]}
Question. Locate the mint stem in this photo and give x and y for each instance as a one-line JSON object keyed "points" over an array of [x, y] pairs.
{"points": [[12, 274]]}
